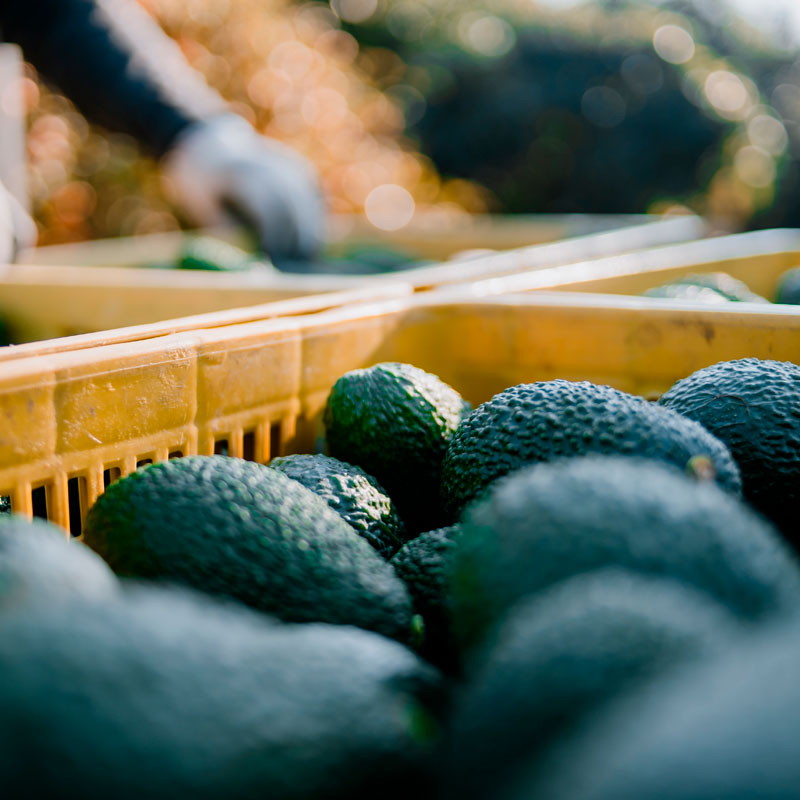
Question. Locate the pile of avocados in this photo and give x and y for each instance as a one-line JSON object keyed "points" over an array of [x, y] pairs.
{"points": [[566, 591]]}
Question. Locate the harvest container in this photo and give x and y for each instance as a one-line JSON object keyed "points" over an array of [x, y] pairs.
{"points": [[72, 421], [53, 298]]}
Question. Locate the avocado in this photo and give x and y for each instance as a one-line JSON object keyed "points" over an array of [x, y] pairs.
{"points": [[424, 566], [394, 421], [166, 694], [687, 291], [548, 522], [547, 420], [705, 285], [208, 253], [229, 526], [357, 497], [753, 406], [788, 289], [722, 729], [560, 657], [38, 564]]}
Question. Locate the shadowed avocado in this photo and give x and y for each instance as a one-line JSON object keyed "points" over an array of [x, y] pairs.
{"points": [[548, 522], [753, 406], [357, 497], [165, 694]]}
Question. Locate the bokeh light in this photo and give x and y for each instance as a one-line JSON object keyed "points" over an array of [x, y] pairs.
{"points": [[674, 44], [389, 207], [727, 93], [354, 10], [486, 34]]}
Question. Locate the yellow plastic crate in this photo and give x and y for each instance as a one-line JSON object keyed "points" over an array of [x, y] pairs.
{"points": [[53, 298], [72, 421], [758, 258]]}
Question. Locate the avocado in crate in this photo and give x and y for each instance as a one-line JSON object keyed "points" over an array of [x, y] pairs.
{"points": [[550, 521], [788, 289], [215, 255], [711, 287], [238, 528], [354, 259], [721, 729], [39, 565], [548, 420], [562, 656], [753, 406], [357, 497], [424, 566], [163, 693], [394, 421]]}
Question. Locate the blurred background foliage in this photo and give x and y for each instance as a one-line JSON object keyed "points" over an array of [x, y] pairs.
{"points": [[461, 106]]}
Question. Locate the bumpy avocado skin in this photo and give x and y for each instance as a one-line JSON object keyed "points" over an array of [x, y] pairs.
{"points": [[229, 526], [357, 497], [560, 657], [551, 419], [424, 565], [164, 695], [548, 522], [753, 406], [723, 729], [39, 565], [394, 421]]}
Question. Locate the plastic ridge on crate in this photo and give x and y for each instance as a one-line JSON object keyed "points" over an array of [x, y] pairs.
{"points": [[56, 307], [72, 421], [758, 258], [45, 302]]}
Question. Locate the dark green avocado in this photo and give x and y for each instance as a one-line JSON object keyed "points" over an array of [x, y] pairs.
{"points": [[166, 694], [548, 420], [229, 526], [216, 255], [722, 729], [788, 289], [394, 421], [357, 497], [753, 406], [548, 522], [561, 657], [424, 565]]}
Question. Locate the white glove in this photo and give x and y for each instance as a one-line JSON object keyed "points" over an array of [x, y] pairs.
{"points": [[17, 229], [221, 168]]}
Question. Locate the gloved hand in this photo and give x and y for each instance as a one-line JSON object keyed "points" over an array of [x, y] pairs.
{"points": [[17, 229], [221, 168]]}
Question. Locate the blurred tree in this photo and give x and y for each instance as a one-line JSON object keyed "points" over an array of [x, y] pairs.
{"points": [[620, 106]]}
